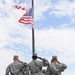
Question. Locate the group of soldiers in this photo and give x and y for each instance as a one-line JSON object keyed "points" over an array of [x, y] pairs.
{"points": [[34, 67]]}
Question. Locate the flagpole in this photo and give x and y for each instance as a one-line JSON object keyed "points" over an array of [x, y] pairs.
{"points": [[33, 41]]}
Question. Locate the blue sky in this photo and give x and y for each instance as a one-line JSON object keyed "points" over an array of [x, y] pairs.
{"points": [[54, 22]]}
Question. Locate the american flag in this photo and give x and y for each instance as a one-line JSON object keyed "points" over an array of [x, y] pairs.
{"points": [[27, 18], [19, 7]]}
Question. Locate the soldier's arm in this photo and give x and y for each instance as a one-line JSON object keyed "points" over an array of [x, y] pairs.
{"points": [[63, 67], [44, 61], [7, 70]]}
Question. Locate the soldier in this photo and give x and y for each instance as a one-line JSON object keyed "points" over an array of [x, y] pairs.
{"points": [[35, 65], [56, 67], [15, 68]]}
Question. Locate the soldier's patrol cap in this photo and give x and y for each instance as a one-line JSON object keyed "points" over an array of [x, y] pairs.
{"points": [[15, 56], [54, 56]]}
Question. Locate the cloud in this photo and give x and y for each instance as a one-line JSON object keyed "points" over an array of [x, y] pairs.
{"points": [[10, 27], [40, 8], [62, 8], [60, 40]]}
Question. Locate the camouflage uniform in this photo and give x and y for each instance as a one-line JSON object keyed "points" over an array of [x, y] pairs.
{"points": [[14, 68], [55, 68], [17, 67], [36, 66]]}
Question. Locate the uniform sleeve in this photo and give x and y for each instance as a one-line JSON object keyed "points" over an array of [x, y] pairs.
{"points": [[45, 62], [7, 70], [63, 67]]}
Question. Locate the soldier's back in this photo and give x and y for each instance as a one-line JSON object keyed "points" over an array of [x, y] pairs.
{"points": [[35, 67], [16, 68]]}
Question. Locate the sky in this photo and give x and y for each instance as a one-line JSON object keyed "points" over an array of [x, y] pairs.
{"points": [[54, 32]]}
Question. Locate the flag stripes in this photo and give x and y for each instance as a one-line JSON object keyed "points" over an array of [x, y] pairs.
{"points": [[27, 18]]}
